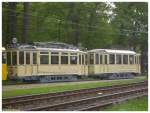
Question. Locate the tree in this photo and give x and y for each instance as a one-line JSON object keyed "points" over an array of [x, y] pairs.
{"points": [[11, 23], [25, 22]]}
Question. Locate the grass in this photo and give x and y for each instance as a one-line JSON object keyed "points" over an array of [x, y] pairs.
{"points": [[66, 87], [139, 104]]}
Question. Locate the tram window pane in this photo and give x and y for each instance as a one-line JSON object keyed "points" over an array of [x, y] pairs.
{"points": [[34, 58], [79, 59], [97, 58], [44, 53], [8, 58], [73, 59], [82, 59], [139, 59], [21, 57], [125, 59], [86, 59], [63, 53], [131, 59], [27, 58], [44, 59], [3, 57], [54, 53], [118, 59], [64, 59], [14, 58], [101, 59], [54, 60], [105, 59], [111, 59], [91, 59], [73, 53]]}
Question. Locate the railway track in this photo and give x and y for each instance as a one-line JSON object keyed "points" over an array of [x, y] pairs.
{"points": [[40, 102]]}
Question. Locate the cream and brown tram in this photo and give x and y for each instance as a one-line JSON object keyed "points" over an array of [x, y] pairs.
{"points": [[46, 62], [113, 64]]}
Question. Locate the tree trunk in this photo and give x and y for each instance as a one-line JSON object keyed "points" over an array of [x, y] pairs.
{"points": [[25, 22], [11, 26]]}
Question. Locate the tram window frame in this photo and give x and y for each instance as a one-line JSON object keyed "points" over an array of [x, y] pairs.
{"points": [[101, 58], [80, 57], [125, 61], [73, 61], [118, 59], [64, 58], [14, 58], [139, 59], [8, 58], [105, 59], [54, 57], [91, 58], [21, 58], [34, 57], [28, 58], [96, 58], [111, 58], [86, 59], [44, 57], [131, 59], [83, 59]]}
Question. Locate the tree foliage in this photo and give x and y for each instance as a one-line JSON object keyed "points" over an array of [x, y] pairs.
{"points": [[91, 25]]}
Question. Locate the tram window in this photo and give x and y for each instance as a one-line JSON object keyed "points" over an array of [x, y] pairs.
{"points": [[86, 60], [139, 59], [91, 59], [118, 59], [27, 58], [8, 58], [79, 59], [73, 53], [3, 57], [34, 58], [54, 60], [64, 53], [131, 59], [125, 59], [44, 59], [44, 53], [111, 59], [54, 53], [136, 60], [97, 58], [105, 59], [101, 59], [64, 59], [82, 59], [14, 58], [73, 59], [21, 57]]}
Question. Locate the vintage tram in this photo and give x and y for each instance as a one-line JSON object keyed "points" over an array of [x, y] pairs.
{"points": [[46, 62]]}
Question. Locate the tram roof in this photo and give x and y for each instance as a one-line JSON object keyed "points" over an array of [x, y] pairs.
{"points": [[45, 49], [55, 49], [113, 51], [3, 49]]}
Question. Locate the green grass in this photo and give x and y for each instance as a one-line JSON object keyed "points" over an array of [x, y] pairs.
{"points": [[139, 104], [66, 87]]}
